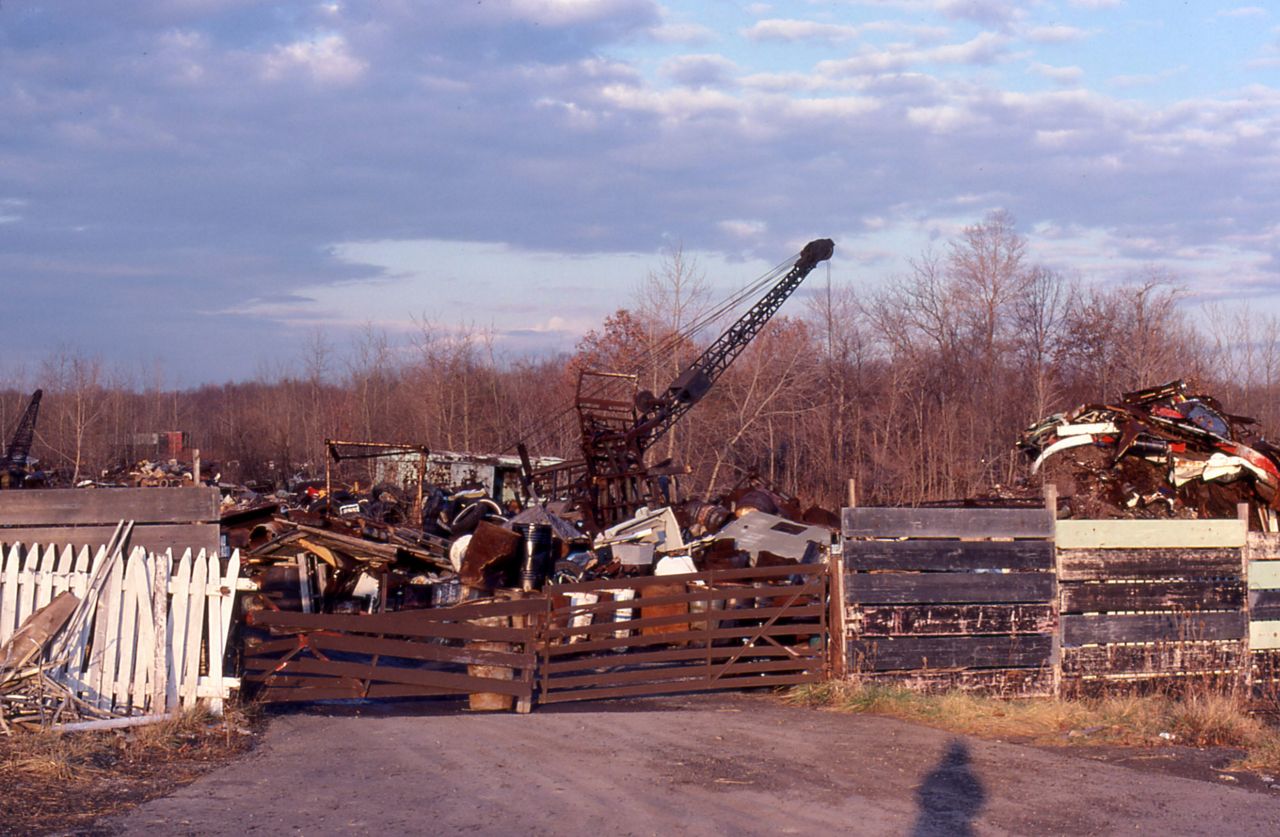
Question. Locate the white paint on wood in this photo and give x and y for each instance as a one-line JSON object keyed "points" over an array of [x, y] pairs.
{"points": [[137, 641], [1264, 575], [1150, 534], [195, 610], [1264, 636], [178, 602], [9, 596]]}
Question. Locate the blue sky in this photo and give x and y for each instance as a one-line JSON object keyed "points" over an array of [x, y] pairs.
{"points": [[206, 183]]}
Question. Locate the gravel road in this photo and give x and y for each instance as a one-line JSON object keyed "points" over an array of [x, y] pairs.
{"points": [[687, 766]]}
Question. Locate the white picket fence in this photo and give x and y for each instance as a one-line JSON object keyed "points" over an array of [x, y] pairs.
{"points": [[112, 662]]}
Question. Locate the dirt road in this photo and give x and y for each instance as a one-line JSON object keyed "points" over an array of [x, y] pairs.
{"points": [[705, 765]]}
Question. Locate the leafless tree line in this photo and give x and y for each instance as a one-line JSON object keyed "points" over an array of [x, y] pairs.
{"points": [[916, 390]]}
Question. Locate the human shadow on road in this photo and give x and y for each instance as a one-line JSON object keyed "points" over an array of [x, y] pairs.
{"points": [[950, 797]]}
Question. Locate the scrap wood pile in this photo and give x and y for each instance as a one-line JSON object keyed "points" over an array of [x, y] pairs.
{"points": [[1159, 452]]}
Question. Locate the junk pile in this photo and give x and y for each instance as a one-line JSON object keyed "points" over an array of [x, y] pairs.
{"points": [[1159, 452], [345, 557]]}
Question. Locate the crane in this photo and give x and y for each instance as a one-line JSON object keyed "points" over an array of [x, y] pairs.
{"points": [[13, 467], [612, 480]]}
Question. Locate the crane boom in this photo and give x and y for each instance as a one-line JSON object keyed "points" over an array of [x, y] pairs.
{"points": [[658, 415], [612, 479], [14, 463]]}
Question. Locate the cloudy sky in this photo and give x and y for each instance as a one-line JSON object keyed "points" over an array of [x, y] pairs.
{"points": [[208, 182]]}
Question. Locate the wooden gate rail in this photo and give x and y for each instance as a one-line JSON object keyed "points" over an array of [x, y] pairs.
{"points": [[448, 651], [656, 635]]}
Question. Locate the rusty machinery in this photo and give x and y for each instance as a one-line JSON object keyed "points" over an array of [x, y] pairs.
{"points": [[619, 423], [13, 467]]}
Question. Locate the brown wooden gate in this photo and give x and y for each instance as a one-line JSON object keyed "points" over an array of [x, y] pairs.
{"points": [[729, 629], [479, 648]]}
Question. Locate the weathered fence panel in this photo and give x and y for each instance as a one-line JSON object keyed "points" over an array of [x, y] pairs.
{"points": [[1148, 603], [951, 597]]}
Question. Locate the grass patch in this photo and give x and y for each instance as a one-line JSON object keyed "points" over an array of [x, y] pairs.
{"points": [[56, 782], [1197, 719]]}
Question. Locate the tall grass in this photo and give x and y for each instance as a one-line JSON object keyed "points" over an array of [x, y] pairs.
{"points": [[1194, 718]]}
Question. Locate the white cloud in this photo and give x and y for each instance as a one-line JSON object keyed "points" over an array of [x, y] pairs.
{"points": [[985, 48], [682, 33], [1056, 34], [575, 12], [742, 228], [1060, 75], [780, 29], [942, 118], [1095, 4], [700, 70], [324, 59], [11, 210], [988, 12]]}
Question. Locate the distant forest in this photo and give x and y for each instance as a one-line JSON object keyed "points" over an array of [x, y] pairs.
{"points": [[917, 390]]}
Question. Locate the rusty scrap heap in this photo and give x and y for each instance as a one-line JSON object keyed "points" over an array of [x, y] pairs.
{"points": [[1160, 452]]}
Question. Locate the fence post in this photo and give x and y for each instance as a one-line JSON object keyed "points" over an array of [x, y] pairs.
{"points": [[1055, 651], [837, 652]]}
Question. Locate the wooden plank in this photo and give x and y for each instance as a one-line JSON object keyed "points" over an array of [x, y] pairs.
{"points": [[177, 621], [679, 673], [1264, 575], [395, 624], [609, 660], [214, 605], [1264, 605], [1151, 534], [44, 574], [426, 651], [741, 633], [953, 620], [999, 682], [748, 575], [12, 558], [463, 683], [1151, 627], [1153, 595], [948, 588], [153, 537], [106, 637], [867, 522], [134, 568], [736, 598], [910, 653], [1153, 658], [948, 555], [193, 636], [713, 617], [1111, 564], [755, 681], [1264, 635], [85, 507]]}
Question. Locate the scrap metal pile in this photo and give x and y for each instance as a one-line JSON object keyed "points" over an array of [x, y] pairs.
{"points": [[1158, 452], [472, 546]]}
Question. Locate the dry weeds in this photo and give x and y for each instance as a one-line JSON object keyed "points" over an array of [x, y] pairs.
{"points": [[1196, 718], [54, 782]]}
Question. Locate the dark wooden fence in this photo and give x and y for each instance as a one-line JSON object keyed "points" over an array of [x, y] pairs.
{"points": [[951, 598], [1015, 602], [729, 629]]}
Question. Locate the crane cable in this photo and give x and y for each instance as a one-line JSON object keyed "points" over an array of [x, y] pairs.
{"points": [[545, 427]]}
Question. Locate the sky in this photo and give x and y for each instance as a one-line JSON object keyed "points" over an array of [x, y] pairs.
{"points": [[200, 188]]}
